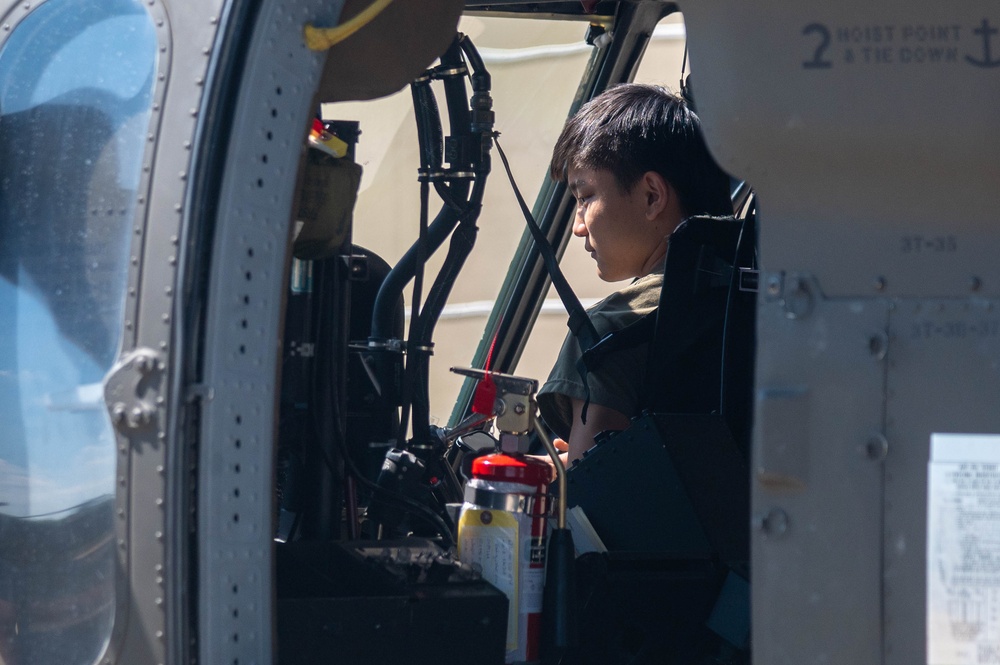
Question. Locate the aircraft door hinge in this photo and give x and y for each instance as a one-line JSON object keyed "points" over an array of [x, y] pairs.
{"points": [[133, 390]]}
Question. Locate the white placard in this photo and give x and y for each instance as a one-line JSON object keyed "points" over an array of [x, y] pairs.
{"points": [[963, 550]]}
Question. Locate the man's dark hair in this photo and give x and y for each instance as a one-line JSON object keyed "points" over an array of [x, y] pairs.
{"points": [[630, 129]]}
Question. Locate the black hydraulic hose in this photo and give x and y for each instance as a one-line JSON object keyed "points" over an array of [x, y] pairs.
{"points": [[480, 117], [479, 121], [418, 282], [429, 133], [462, 242], [446, 220], [401, 274], [430, 139], [453, 69], [472, 55], [480, 127]]}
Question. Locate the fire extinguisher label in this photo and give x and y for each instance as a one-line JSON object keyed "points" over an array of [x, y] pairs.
{"points": [[533, 580], [491, 544]]}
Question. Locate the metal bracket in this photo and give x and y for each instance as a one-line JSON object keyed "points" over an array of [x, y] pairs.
{"points": [[513, 405], [798, 296], [357, 267], [749, 281], [132, 390]]}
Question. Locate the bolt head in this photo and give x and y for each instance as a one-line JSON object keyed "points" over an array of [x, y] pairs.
{"points": [[774, 524]]}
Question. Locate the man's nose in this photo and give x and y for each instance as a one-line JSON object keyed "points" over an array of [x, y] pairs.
{"points": [[579, 228]]}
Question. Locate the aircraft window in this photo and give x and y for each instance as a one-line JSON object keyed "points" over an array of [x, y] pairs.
{"points": [[663, 60], [76, 89], [536, 67]]}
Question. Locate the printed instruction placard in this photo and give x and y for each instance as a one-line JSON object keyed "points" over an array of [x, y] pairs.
{"points": [[963, 549]]}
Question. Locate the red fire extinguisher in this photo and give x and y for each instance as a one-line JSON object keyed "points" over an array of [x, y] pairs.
{"points": [[501, 530]]}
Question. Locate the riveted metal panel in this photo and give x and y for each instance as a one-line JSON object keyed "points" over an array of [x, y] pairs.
{"points": [[242, 344], [817, 479], [869, 131], [944, 377], [158, 578]]}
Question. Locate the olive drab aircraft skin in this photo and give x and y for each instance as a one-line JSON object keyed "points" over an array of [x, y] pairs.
{"points": [[157, 205]]}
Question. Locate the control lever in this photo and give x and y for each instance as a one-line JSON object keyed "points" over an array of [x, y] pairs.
{"points": [[474, 421]]}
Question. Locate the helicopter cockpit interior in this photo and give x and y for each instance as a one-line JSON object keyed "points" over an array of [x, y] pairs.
{"points": [[282, 279], [356, 422]]}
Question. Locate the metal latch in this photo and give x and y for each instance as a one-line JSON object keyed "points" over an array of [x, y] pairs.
{"points": [[749, 280], [132, 390]]}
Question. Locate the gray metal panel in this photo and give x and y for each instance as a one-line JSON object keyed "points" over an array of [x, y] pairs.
{"points": [[817, 482], [156, 582], [944, 377], [869, 131], [243, 321]]}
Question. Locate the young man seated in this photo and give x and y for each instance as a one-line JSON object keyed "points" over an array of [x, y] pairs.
{"points": [[636, 162]]}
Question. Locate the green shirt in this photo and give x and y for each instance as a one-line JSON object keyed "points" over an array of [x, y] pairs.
{"points": [[616, 384]]}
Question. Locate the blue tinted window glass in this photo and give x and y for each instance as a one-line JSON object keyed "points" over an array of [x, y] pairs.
{"points": [[76, 87]]}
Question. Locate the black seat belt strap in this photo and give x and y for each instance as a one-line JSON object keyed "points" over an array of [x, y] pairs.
{"points": [[579, 323], [638, 332]]}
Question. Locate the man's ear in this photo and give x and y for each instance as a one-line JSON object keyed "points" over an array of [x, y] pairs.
{"points": [[659, 194], [661, 198]]}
